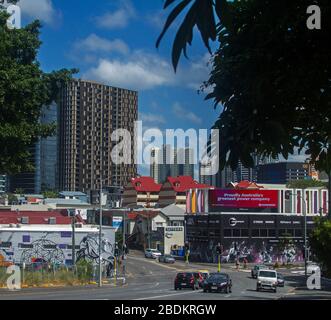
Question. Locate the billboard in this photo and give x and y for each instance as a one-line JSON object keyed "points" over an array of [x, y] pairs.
{"points": [[243, 200]]}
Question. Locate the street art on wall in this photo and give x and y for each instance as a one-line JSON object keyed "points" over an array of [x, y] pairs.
{"points": [[54, 247], [254, 252], [89, 251]]}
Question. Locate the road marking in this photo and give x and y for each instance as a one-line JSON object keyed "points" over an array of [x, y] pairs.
{"points": [[169, 295]]}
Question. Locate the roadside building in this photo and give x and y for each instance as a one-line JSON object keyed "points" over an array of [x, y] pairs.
{"points": [[141, 192]]}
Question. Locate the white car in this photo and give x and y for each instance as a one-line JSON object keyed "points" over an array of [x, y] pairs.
{"points": [[152, 253], [267, 280]]}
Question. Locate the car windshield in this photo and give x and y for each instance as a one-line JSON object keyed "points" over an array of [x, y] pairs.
{"points": [[268, 274], [167, 256], [218, 278], [154, 250], [280, 276]]}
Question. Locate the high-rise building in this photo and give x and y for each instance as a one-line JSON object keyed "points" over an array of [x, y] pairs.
{"points": [[3, 183], [169, 162], [48, 152], [89, 113]]}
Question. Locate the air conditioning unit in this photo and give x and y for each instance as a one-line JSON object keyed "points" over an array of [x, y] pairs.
{"points": [[52, 220], [25, 220]]}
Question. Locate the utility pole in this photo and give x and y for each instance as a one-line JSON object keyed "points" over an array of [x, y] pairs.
{"points": [[305, 201], [100, 215], [73, 244]]}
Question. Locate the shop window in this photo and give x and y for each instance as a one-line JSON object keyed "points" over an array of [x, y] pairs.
{"points": [[227, 232], [263, 233], [236, 233], [271, 233], [244, 233], [255, 233]]}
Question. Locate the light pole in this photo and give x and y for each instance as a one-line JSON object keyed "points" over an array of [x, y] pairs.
{"points": [[100, 214], [305, 226]]}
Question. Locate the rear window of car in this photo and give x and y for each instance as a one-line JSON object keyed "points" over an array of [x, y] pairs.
{"points": [[268, 274]]}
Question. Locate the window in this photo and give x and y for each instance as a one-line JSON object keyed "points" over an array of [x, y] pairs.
{"points": [[298, 233], [255, 232], [227, 232], [244, 233], [263, 233], [236, 233], [5, 244], [271, 233]]}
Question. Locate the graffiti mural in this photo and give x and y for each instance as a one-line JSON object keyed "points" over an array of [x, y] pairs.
{"points": [[89, 251], [253, 252], [43, 251]]}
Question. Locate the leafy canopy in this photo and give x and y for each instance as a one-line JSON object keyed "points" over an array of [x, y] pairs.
{"points": [[24, 90], [271, 75]]}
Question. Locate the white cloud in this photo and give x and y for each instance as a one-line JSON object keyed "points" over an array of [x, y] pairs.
{"points": [[119, 18], [39, 9], [151, 118], [182, 113], [94, 43], [142, 71]]}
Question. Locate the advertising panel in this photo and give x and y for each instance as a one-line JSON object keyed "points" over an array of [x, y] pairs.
{"points": [[243, 200]]}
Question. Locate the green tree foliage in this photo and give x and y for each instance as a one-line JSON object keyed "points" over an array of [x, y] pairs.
{"points": [[24, 90], [50, 194], [320, 242], [305, 184], [271, 75]]}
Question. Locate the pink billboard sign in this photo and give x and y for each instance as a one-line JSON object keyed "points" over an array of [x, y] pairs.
{"points": [[259, 199]]}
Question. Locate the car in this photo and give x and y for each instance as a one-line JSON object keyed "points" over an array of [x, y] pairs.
{"points": [[256, 269], [267, 280], [152, 253], [205, 275], [218, 282], [167, 258], [186, 280], [280, 280]]}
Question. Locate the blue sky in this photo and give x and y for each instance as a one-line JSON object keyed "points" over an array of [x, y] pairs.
{"points": [[113, 41]]}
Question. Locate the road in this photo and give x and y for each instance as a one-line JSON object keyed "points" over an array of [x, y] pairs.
{"points": [[150, 280]]}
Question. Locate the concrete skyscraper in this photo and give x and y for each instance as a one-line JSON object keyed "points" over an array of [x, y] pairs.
{"points": [[89, 113]]}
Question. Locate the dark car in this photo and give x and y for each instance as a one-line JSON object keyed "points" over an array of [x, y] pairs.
{"points": [[187, 280], [218, 282], [167, 258], [280, 280]]}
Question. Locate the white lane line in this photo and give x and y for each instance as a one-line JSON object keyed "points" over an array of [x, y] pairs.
{"points": [[169, 295]]}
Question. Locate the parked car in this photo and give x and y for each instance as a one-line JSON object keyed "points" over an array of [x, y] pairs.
{"points": [[187, 280], [167, 258], [218, 282], [280, 280], [205, 275], [256, 269], [152, 253], [266, 280]]}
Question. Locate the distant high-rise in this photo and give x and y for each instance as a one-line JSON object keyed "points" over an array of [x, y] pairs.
{"points": [[3, 183], [84, 106], [169, 162]]}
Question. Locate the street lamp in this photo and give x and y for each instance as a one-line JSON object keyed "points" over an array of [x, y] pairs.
{"points": [[305, 227]]}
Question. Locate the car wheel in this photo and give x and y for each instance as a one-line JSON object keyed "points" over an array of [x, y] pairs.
{"points": [[175, 288], [275, 290], [257, 289], [204, 290]]}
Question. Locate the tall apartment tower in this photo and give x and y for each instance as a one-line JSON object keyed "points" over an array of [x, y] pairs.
{"points": [[87, 111], [168, 162]]}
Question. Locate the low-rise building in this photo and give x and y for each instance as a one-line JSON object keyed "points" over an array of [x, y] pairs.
{"points": [[141, 192]]}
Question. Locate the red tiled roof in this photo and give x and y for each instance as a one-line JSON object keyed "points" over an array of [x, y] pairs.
{"points": [[247, 184], [145, 184], [184, 183], [36, 217]]}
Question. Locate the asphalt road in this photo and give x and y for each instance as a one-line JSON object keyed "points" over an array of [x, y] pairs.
{"points": [[151, 280]]}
